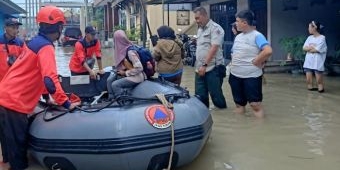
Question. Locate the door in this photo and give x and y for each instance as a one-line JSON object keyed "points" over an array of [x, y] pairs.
{"points": [[224, 14]]}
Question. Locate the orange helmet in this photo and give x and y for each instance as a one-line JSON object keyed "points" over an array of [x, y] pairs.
{"points": [[50, 15]]}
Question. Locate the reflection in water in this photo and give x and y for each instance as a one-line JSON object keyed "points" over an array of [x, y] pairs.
{"points": [[299, 131], [63, 59], [64, 55], [316, 122]]}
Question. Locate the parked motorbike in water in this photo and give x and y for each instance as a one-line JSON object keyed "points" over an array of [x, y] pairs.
{"points": [[189, 45]]}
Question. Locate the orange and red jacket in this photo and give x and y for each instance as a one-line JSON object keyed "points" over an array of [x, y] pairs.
{"points": [[82, 51], [33, 72], [14, 48]]}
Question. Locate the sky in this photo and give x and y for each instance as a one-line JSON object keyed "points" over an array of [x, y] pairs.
{"points": [[23, 1]]}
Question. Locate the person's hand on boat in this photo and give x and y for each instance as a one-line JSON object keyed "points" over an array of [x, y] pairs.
{"points": [[121, 72], [74, 105], [51, 101], [101, 71], [93, 74]]}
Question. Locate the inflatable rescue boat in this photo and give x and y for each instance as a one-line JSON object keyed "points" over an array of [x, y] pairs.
{"points": [[133, 132]]}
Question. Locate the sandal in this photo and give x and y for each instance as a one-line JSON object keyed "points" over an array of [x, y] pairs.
{"points": [[321, 91]]}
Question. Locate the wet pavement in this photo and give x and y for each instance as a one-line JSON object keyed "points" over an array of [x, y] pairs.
{"points": [[300, 130]]}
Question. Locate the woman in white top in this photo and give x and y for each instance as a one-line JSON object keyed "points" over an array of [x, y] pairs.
{"points": [[316, 50]]}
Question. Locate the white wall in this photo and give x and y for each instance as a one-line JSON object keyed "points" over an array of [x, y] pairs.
{"points": [[155, 18]]}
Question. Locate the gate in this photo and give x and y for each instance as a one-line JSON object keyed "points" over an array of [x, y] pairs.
{"points": [[259, 7], [224, 14]]}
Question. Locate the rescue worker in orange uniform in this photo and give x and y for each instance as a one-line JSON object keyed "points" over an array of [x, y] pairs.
{"points": [[10, 45], [82, 60], [10, 48], [33, 72]]}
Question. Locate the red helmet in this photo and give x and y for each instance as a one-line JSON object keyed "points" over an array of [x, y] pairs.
{"points": [[50, 15]]}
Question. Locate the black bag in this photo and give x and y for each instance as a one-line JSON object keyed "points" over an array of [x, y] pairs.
{"points": [[90, 62], [221, 69]]}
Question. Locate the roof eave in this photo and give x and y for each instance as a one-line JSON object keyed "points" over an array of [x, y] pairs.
{"points": [[171, 1], [10, 7]]}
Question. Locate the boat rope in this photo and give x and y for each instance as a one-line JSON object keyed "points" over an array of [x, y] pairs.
{"points": [[95, 110], [168, 106], [122, 100]]}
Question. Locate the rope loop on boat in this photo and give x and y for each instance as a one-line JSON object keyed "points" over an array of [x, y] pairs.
{"points": [[168, 106], [55, 167], [162, 98]]}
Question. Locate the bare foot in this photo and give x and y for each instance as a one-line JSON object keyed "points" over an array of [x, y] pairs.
{"points": [[259, 114], [239, 110], [4, 166], [257, 109]]}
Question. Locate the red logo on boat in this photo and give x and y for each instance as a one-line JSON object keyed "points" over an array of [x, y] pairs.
{"points": [[158, 116]]}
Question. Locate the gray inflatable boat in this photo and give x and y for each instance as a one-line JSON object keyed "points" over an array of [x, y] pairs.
{"points": [[132, 133]]}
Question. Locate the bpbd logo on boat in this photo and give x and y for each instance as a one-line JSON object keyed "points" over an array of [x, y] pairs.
{"points": [[158, 116]]}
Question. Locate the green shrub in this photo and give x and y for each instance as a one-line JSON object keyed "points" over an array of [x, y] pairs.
{"points": [[294, 45]]}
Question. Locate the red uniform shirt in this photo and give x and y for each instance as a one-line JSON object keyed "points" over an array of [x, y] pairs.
{"points": [[14, 48], [33, 71], [83, 50]]}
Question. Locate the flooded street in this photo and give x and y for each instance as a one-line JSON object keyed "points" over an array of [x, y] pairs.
{"points": [[300, 132]]}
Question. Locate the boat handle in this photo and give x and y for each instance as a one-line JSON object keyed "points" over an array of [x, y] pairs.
{"points": [[54, 167]]}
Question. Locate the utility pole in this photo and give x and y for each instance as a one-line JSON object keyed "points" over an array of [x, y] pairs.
{"points": [[86, 12]]}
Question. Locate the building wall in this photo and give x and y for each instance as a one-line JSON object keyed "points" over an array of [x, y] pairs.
{"points": [[281, 23], [156, 20], [295, 22]]}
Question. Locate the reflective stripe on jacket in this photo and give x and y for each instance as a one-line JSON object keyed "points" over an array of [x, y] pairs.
{"points": [[15, 48]]}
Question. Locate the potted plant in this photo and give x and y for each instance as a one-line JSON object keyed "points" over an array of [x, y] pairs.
{"points": [[293, 46], [119, 27], [287, 45], [133, 34], [333, 62]]}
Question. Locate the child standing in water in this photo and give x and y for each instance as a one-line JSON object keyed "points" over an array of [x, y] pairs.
{"points": [[316, 49]]}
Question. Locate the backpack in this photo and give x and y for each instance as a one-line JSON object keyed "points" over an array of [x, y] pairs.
{"points": [[145, 57]]}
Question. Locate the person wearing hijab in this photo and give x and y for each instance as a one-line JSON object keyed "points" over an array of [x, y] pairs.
{"points": [[169, 53], [128, 74]]}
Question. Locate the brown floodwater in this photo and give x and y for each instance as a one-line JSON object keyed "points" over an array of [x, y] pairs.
{"points": [[300, 131]]}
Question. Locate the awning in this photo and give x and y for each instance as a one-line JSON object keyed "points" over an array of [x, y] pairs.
{"points": [[8, 7]]}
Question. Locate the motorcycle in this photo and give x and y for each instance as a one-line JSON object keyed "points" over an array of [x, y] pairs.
{"points": [[189, 45]]}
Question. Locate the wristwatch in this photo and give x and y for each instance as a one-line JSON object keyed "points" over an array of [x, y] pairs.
{"points": [[205, 65]]}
